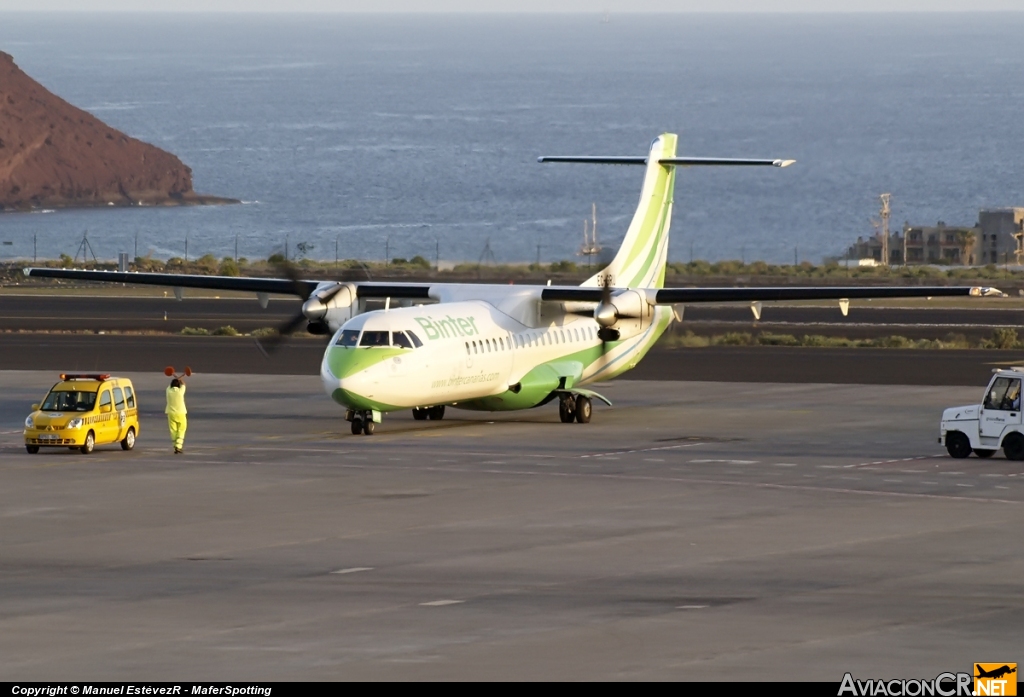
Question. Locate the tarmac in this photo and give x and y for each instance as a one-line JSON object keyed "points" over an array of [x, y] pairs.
{"points": [[694, 531]]}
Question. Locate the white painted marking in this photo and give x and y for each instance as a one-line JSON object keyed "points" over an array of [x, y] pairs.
{"points": [[652, 459], [690, 607], [828, 467], [353, 570], [929, 482], [724, 462], [991, 475], [440, 603], [950, 473], [892, 480], [970, 485], [998, 486], [784, 464]]}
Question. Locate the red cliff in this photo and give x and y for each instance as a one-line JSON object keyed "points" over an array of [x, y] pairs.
{"points": [[54, 155]]}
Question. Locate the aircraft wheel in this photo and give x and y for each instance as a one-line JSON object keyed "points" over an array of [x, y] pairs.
{"points": [[90, 443], [984, 453], [357, 426], [436, 413], [1013, 446], [368, 427], [583, 410], [32, 449], [567, 410], [420, 414], [129, 440]]}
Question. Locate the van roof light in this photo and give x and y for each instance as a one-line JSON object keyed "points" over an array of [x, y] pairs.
{"points": [[85, 376]]}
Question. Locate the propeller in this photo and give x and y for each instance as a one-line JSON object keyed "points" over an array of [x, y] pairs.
{"points": [[605, 314], [312, 312]]}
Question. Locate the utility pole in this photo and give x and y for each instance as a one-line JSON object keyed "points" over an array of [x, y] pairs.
{"points": [[387, 250], [336, 250], [437, 254], [236, 247], [186, 247], [35, 256], [884, 213], [691, 251], [538, 254], [136, 244]]}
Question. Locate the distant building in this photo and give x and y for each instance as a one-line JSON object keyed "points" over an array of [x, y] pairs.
{"points": [[997, 237]]}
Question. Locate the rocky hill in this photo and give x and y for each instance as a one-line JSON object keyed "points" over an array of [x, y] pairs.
{"points": [[54, 155]]}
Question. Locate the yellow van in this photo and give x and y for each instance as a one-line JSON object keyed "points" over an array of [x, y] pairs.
{"points": [[83, 411]]}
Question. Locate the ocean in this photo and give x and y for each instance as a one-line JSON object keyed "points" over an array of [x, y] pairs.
{"points": [[409, 135]]}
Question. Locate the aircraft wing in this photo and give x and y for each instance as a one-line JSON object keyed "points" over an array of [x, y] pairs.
{"points": [[283, 286], [671, 296], [659, 296]]}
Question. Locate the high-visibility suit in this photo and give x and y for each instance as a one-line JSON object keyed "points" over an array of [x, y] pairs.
{"points": [[176, 419]]}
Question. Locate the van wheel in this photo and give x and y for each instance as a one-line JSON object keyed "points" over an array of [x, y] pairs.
{"points": [[1013, 446], [90, 443], [32, 449], [357, 426], [129, 440], [984, 453], [957, 445], [368, 427]]}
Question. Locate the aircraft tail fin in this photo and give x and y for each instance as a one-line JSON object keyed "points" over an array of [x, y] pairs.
{"points": [[641, 258]]}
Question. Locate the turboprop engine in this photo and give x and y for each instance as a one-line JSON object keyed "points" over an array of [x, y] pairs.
{"points": [[330, 306], [622, 314]]}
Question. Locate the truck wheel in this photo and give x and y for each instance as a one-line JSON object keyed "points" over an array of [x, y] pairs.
{"points": [[984, 453], [1013, 446], [957, 445], [129, 440], [32, 449], [90, 443]]}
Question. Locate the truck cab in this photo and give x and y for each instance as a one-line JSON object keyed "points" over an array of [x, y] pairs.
{"points": [[993, 424]]}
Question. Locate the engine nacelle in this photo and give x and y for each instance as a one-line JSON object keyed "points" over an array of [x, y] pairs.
{"points": [[623, 305], [332, 304]]}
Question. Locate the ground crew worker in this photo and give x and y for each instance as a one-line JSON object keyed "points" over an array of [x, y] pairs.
{"points": [[176, 411]]}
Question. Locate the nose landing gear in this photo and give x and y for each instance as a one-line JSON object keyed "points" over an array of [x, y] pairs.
{"points": [[362, 422]]}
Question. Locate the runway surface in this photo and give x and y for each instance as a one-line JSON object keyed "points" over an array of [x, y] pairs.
{"points": [[119, 353], [699, 530]]}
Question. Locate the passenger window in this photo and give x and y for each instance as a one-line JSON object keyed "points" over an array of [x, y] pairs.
{"points": [[105, 401], [577, 334], [118, 399], [415, 339], [467, 348], [376, 339], [402, 341], [131, 397], [348, 338], [501, 343]]}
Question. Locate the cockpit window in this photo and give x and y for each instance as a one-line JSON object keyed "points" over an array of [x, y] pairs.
{"points": [[69, 401], [349, 337], [415, 339], [376, 339], [401, 340]]}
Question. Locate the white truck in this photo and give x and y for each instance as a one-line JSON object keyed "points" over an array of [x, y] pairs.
{"points": [[993, 424]]}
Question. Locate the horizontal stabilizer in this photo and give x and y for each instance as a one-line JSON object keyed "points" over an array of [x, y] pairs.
{"points": [[667, 161]]}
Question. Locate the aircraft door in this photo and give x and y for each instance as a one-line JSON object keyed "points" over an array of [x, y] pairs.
{"points": [[1001, 407]]}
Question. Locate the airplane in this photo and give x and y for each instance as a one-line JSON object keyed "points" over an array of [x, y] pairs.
{"points": [[508, 347]]}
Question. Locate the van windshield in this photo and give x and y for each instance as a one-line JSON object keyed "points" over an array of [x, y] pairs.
{"points": [[67, 400]]}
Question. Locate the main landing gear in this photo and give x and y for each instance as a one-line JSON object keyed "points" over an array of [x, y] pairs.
{"points": [[432, 413], [574, 408]]}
